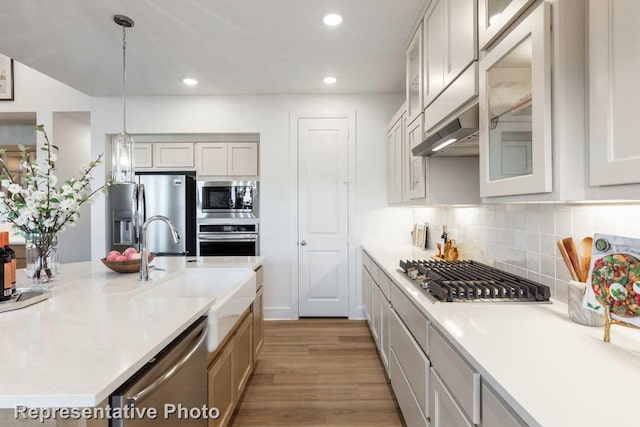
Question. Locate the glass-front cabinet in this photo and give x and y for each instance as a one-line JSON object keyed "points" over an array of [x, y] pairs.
{"points": [[414, 76], [494, 16], [515, 111], [415, 172]]}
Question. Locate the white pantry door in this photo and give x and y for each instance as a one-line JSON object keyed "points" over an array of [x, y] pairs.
{"points": [[323, 207]]}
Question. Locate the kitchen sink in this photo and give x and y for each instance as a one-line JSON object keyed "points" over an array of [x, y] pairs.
{"points": [[233, 289]]}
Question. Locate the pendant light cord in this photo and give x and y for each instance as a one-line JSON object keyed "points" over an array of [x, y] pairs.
{"points": [[124, 79]]}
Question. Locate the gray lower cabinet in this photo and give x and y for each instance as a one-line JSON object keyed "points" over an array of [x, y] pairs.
{"points": [[385, 316], [411, 412], [412, 360], [377, 309], [495, 413], [434, 384], [445, 410], [459, 377], [366, 296], [415, 321]]}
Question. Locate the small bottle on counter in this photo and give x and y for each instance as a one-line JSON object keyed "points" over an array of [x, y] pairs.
{"points": [[5, 272], [12, 254]]}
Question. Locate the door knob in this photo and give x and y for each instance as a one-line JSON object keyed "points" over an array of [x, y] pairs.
{"points": [[303, 243]]}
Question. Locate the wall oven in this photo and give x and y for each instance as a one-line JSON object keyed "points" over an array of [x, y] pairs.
{"points": [[228, 239], [230, 199]]}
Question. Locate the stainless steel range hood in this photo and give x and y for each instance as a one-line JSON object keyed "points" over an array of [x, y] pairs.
{"points": [[456, 138]]}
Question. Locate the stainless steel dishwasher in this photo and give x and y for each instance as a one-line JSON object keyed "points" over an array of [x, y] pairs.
{"points": [[176, 376]]}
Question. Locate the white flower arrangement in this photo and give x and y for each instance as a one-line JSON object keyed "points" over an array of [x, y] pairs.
{"points": [[36, 205]]}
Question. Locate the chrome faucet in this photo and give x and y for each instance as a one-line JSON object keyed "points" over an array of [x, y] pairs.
{"points": [[144, 264]]}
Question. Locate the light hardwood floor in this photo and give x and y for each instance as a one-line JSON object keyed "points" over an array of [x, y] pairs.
{"points": [[318, 372]]}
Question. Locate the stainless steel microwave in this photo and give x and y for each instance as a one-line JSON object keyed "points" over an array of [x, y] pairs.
{"points": [[231, 199]]}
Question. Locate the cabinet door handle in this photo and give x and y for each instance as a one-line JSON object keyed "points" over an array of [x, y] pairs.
{"points": [[303, 243]]}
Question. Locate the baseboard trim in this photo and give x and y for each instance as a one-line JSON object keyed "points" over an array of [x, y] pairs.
{"points": [[277, 313], [358, 314]]}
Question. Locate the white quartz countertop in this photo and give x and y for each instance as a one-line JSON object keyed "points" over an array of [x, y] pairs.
{"points": [[552, 371], [96, 330]]}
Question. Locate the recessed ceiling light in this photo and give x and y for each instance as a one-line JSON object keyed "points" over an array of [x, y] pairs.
{"points": [[329, 80], [332, 19], [190, 82]]}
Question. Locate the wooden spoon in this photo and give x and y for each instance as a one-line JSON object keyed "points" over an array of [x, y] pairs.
{"points": [[586, 246], [572, 251], [567, 261]]}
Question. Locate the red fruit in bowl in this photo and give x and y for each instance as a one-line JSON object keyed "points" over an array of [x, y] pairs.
{"points": [[133, 256], [121, 258], [113, 255], [129, 251]]}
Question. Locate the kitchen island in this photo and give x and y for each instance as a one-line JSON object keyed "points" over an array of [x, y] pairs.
{"points": [[544, 369], [99, 327]]}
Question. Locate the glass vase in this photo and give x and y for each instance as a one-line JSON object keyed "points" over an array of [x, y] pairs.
{"points": [[42, 258]]}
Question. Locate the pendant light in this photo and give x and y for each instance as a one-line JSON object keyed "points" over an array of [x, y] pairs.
{"points": [[122, 165]]}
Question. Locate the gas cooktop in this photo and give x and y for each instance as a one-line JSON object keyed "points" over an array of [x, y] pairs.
{"points": [[454, 281]]}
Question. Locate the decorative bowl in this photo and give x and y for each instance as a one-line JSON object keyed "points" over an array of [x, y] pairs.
{"points": [[131, 266]]}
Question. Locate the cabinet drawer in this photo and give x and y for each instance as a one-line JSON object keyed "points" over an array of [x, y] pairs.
{"points": [[413, 360], [410, 409], [385, 285], [416, 323], [495, 413], [372, 267], [459, 377], [446, 412]]}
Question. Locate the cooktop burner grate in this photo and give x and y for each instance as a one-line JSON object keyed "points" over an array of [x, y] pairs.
{"points": [[473, 281]]}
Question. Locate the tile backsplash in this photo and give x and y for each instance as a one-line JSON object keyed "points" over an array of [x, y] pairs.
{"points": [[521, 238]]}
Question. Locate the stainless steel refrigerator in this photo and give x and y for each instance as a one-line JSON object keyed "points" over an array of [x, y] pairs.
{"points": [[171, 195]]}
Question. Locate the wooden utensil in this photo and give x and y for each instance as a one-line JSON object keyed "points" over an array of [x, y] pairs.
{"points": [[572, 251], [586, 246], [567, 261]]}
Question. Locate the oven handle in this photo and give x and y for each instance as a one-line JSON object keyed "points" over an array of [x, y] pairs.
{"points": [[227, 237], [141, 395]]}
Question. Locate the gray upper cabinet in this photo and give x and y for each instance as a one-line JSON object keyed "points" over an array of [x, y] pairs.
{"points": [[495, 16], [450, 49], [461, 37], [533, 107], [164, 156], [515, 110], [414, 64], [435, 50], [415, 185], [614, 61], [395, 160]]}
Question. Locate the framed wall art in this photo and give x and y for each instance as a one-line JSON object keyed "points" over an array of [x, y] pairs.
{"points": [[6, 78]]}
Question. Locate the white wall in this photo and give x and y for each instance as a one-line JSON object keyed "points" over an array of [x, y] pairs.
{"points": [[73, 132], [269, 116], [36, 92]]}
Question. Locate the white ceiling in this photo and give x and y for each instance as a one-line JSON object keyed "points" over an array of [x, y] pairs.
{"points": [[230, 46]]}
